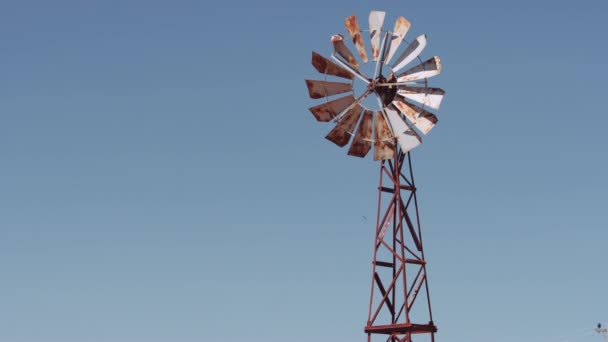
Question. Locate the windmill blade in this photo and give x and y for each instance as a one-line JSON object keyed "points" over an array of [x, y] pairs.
{"points": [[338, 41], [376, 19], [422, 119], [345, 128], [430, 97], [380, 62], [384, 146], [325, 66], [350, 68], [352, 26], [319, 89], [407, 137], [410, 53], [362, 142], [327, 111], [401, 28], [427, 69]]}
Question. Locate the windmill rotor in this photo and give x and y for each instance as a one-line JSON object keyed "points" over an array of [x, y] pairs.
{"points": [[406, 104]]}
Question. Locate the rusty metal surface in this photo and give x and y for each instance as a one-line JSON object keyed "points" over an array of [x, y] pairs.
{"points": [[411, 52], [325, 66], [350, 68], [362, 142], [430, 97], [429, 68], [345, 128], [327, 111], [384, 144], [352, 26], [407, 137], [399, 32], [319, 89], [422, 119], [376, 19], [338, 41]]}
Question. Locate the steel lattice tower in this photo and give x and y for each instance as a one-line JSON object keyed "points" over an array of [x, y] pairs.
{"points": [[399, 267]]}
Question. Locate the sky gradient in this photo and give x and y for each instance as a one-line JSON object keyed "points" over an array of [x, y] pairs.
{"points": [[162, 179]]}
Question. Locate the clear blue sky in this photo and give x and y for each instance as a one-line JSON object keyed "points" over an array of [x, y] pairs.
{"points": [[161, 178]]}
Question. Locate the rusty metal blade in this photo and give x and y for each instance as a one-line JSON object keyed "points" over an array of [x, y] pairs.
{"points": [[362, 142], [427, 96], [319, 89], [376, 19], [327, 111], [352, 26], [345, 128], [325, 66], [422, 119], [427, 69], [401, 28], [407, 137], [350, 68], [338, 41], [384, 145], [410, 53]]}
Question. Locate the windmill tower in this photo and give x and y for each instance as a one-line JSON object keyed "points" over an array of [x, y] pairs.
{"points": [[399, 305]]}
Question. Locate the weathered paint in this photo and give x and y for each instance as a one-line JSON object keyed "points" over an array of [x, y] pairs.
{"points": [[319, 89], [338, 41], [376, 18], [407, 137], [422, 119], [325, 66], [427, 69], [409, 113], [345, 128], [411, 52], [327, 111], [362, 142], [399, 32], [430, 97], [352, 26], [384, 144]]}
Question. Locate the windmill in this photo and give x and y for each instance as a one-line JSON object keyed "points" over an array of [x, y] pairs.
{"points": [[399, 305]]}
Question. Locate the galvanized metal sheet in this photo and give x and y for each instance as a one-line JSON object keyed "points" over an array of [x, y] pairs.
{"points": [[319, 89], [407, 137], [384, 144], [401, 28], [410, 53], [341, 134], [352, 26], [427, 69], [376, 18], [362, 142], [338, 41], [427, 96], [327, 111], [422, 119], [325, 66]]}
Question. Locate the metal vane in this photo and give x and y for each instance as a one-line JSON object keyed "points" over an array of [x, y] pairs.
{"points": [[403, 96]]}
